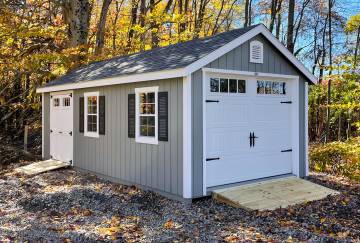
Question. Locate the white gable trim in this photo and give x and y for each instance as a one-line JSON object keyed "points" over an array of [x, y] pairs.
{"points": [[261, 29], [173, 73], [182, 72]]}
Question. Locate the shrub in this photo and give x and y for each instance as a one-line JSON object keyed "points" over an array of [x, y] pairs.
{"points": [[340, 158]]}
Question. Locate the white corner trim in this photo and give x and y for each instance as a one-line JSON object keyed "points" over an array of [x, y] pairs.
{"points": [[187, 138], [306, 139], [42, 124], [86, 133], [132, 78], [204, 86], [295, 116], [138, 138]]}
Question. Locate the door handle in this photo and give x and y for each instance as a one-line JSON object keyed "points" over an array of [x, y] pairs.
{"points": [[251, 140], [209, 159], [254, 139], [212, 101]]}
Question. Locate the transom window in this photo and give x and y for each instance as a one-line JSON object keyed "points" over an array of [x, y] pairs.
{"points": [[56, 102], [91, 114], [224, 85], [66, 101], [146, 115], [271, 87]]}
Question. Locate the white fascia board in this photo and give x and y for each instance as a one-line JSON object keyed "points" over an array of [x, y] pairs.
{"points": [[173, 73], [261, 29], [223, 50], [248, 73], [288, 54]]}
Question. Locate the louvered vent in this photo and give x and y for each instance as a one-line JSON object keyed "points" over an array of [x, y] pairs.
{"points": [[256, 52]]}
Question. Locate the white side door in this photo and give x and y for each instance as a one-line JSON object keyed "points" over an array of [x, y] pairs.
{"points": [[231, 118], [61, 126]]}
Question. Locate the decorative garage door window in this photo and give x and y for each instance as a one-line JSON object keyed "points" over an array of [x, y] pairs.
{"points": [[146, 115], [66, 101], [224, 85], [56, 102], [271, 87]]}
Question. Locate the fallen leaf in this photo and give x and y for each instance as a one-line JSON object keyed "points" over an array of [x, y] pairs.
{"points": [[169, 224]]}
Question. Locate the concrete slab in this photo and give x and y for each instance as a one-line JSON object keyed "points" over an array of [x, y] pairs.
{"points": [[42, 166], [272, 194]]}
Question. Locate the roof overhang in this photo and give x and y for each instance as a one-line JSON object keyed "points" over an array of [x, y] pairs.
{"points": [[182, 72]]}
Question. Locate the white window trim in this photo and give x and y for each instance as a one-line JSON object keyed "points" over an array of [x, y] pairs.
{"points": [[257, 43], [86, 132], [138, 138]]}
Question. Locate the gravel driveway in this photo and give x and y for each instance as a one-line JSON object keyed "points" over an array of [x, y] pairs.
{"points": [[67, 205]]}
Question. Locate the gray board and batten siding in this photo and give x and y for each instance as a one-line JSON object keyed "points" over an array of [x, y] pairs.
{"points": [[117, 157], [238, 59]]}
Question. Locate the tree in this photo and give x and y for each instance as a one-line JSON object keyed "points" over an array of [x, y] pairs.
{"points": [[101, 27], [290, 28]]}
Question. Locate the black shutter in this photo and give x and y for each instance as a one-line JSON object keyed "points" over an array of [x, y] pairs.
{"points": [[163, 113], [102, 115], [131, 115], [81, 114]]}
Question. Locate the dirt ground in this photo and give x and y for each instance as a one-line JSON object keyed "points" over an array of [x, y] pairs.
{"points": [[66, 205]]}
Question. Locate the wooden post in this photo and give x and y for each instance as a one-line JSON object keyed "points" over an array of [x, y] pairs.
{"points": [[26, 137]]}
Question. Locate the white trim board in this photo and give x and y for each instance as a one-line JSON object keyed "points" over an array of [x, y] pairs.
{"points": [[187, 138], [182, 72]]}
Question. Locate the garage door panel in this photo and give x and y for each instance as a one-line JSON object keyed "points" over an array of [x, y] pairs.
{"points": [[243, 168], [270, 112], [225, 140], [226, 113], [229, 123]]}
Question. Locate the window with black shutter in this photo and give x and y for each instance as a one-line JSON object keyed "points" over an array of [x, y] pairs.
{"points": [[131, 115], [163, 114], [102, 115], [81, 114]]}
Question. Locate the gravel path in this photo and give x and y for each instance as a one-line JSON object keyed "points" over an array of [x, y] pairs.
{"points": [[66, 205]]}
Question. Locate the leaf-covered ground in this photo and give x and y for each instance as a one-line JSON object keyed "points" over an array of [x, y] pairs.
{"points": [[68, 205]]}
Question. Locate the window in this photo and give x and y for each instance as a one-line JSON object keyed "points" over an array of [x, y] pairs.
{"points": [[271, 87], [146, 115], [91, 103], [224, 85], [256, 52], [56, 102], [66, 101]]}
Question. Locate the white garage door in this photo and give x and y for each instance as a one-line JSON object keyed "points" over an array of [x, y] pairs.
{"points": [[248, 129], [61, 126]]}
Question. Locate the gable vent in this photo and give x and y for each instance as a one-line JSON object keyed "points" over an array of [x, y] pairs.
{"points": [[256, 52]]}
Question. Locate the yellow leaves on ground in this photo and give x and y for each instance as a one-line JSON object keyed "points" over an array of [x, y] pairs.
{"points": [[169, 224], [117, 227]]}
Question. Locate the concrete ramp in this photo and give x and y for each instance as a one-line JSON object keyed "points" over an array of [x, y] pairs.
{"points": [[42, 166], [272, 194]]}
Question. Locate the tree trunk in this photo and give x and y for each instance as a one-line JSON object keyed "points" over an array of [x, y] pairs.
{"points": [[327, 133], [134, 8], [278, 26], [274, 4], [117, 12], [101, 27], [290, 31], [356, 49], [246, 22], [77, 17]]}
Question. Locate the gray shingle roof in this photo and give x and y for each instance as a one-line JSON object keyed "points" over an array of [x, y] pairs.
{"points": [[163, 58]]}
